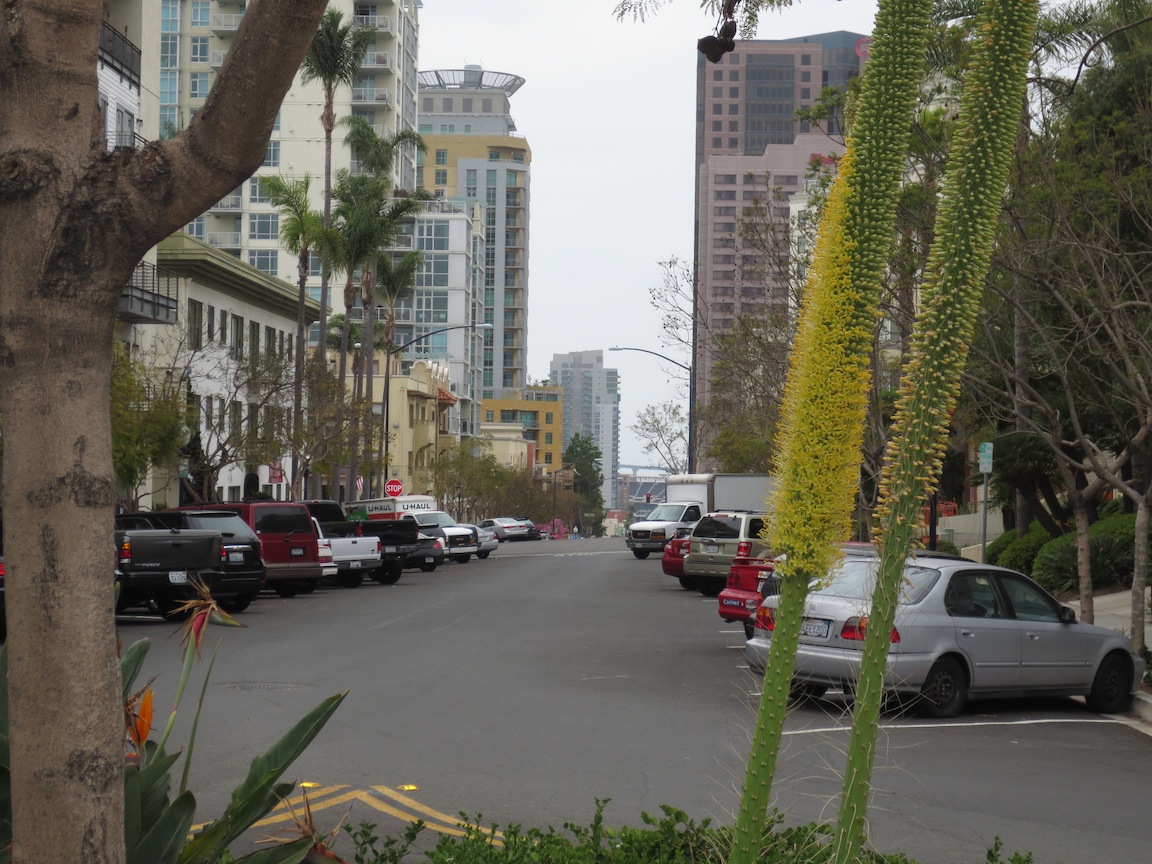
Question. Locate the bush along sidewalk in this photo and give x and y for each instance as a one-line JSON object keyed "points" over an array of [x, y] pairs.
{"points": [[671, 838]]}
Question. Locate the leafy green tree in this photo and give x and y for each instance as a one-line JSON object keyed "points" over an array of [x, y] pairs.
{"points": [[585, 458]]}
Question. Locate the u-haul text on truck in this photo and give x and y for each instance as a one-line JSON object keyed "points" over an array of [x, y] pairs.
{"points": [[388, 508]]}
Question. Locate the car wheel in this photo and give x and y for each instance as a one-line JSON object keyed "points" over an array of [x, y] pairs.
{"points": [[428, 566], [1110, 688], [389, 574], [945, 689], [461, 559], [483, 554], [309, 585], [239, 603], [688, 583], [350, 580], [286, 589], [640, 553], [711, 587]]}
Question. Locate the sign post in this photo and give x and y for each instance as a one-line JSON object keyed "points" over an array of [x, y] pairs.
{"points": [[985, 456]]}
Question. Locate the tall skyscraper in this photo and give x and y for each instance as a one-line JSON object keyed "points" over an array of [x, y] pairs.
{"points": [[749, 145], [473, 153], [592, 409]]}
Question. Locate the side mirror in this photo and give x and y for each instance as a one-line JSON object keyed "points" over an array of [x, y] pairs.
{"points": [[1067, 615]]}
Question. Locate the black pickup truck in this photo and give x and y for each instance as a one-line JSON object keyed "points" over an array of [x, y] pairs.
{"points": [[397, 536], [157, 567]]}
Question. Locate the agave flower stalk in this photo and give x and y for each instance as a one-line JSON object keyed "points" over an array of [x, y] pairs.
{"points": [[825, 397], [958, 263]]}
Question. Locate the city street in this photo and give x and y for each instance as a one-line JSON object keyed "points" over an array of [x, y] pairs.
{"points": [[522, 688]]}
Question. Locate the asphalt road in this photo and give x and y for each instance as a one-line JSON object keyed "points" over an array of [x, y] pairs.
{"points": [[522, 688]]}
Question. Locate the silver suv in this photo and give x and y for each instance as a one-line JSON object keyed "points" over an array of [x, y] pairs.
{"points": [[716, 540]]}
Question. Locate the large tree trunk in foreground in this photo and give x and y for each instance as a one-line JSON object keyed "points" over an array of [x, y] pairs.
{"points": [[74, 221]]}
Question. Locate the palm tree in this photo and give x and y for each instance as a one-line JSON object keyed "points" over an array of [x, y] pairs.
{"points": [[333, 59], [374, 152], [395, 280], [302, 232]]}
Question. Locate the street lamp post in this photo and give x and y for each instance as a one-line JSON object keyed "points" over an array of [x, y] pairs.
{"points": [[691, 398], [388, 382]]}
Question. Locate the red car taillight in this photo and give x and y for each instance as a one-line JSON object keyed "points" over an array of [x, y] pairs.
{"points": [[855, 628], [744, 550], [125, 556], [765, 618]]}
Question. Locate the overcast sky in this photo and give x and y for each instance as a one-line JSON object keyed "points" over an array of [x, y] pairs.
{"points": [[608, 110]]}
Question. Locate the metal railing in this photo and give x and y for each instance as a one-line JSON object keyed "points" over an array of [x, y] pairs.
{"points": [[120, 53], [150, 295]]}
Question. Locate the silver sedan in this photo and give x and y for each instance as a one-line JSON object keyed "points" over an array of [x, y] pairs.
{"points": [[962, 630]]}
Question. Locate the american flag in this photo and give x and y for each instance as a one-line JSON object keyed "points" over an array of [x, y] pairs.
{"points": [[359, 484]]}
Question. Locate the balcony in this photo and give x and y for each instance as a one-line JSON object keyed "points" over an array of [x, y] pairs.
{"points": [[377, 60], [150, 296], [380, 23], [370, 96], [126, 141], [120, 54], [223, 239], [226, 25], [216, 59], [230, 204]]}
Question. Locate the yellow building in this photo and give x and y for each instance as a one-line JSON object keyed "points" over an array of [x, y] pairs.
{"points": [[539, 410]]}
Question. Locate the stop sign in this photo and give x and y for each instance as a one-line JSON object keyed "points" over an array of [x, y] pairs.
{"points": [[393, 488]]}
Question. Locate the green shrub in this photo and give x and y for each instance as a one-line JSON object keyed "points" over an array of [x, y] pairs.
{"points": [[947, 546], [1110, 508], [996, 547], [1111, 544], [1021, 551]]}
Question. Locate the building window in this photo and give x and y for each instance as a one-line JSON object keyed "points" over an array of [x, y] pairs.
{"points": [[254, 339], [256, 192], [513, 179], [427, 108], [237, 333], [547, 418], [488, 416], [272, 155], [493, 155], [195, 228], [547, 437], [265, 260], [548, 458], [195, 324], [210, 320], [198, 49], [447, 103], [441, 157], [223, 335], [197, 85], [263, 226], [200, 9], [432, 235], [441, 178]]}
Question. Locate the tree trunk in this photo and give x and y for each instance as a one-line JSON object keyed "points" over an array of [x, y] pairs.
{"points": [[298, 374], [1140, 572], [75, 220]]}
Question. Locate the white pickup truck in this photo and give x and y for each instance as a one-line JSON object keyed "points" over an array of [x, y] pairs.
{"points": [[353, 556]]}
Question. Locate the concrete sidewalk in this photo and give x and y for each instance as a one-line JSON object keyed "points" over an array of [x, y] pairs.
{"points": [[1114, 611]]}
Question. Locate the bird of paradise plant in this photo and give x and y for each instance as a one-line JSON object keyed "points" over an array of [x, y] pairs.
{"points": [[158, 826]]}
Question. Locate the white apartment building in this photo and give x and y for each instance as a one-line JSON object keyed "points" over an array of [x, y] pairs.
{"points": [[592, 408]]}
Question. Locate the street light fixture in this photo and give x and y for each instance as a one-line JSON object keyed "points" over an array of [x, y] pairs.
{"points": [[388, 381], [691, 398]]}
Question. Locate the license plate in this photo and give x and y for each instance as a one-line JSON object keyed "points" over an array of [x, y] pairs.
{"points": [[296, 553], [178, 577], [711, 550], [727, 601], [390, 550], [352, 565], [235, 557], [817, 628], [429, 560]]}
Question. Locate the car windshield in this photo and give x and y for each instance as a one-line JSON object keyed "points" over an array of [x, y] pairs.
{"points": [[855, 579], [435, 520], [666, 513]]}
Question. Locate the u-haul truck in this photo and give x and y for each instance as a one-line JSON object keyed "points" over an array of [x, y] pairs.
{"points": [[388, 508]]}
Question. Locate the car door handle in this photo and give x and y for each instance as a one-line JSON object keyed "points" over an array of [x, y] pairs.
{"points": [[968, 633], [1035, 637]]}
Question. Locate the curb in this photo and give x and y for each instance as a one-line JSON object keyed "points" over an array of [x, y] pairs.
{"points": [[1142, 706]]}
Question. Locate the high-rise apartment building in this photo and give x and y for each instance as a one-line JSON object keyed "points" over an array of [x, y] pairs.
{"points": [[591, 408], [539, 411], [749, 145], [195, 35], [473, 153]]}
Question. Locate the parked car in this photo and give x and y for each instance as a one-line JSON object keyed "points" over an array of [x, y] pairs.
{"points": [[509, 528], [429, 554], [460, 543], [717, 539], [962, 630], [158, 568], [288, 541], [328, 569], [352, 556], [672, 561], [485, 540], [240, 575], [749, 580], [397, 537]]}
